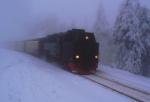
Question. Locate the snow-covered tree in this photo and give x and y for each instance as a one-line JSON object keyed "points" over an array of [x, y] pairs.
{"points": [[102, 32], [101, 24], [127, 36], [144, 17]]}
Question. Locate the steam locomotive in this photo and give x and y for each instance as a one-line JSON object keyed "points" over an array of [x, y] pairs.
{"points": [[76, 49]]}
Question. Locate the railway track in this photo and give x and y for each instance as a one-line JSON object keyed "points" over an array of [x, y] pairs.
{"points": [[123, 84], [135, 94]]}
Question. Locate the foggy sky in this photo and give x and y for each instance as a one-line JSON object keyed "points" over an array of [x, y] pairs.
{"points": [[16, 15], [82, 12]]}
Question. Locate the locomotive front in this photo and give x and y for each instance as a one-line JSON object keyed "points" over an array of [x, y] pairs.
{"points": [[85, 55], [76, 49]]}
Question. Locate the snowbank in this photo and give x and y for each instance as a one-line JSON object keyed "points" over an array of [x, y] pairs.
{"points": [[24, 78], [127, 78]]}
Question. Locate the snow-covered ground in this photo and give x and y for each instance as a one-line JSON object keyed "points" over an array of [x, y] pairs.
{"points": [[136, 81], [24, 78]]}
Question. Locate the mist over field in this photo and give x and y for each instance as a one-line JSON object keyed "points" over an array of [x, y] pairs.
{"points": [[24, 18], [74, 50], [108, 19]]}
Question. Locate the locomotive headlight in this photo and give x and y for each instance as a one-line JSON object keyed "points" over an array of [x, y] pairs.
{"points": [[96, 57], [77, 56], [86, 37]]}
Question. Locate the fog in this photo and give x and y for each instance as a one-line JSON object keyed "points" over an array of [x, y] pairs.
{"points": [[24, 18]]}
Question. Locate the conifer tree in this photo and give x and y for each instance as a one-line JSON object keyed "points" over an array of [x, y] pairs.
{"points": [[127, 36]]}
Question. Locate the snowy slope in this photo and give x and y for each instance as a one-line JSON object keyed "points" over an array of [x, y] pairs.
{"points": [[24, 78], [136, 81]]}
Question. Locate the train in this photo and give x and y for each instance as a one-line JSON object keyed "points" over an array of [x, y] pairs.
{"points": [[75, 49]]}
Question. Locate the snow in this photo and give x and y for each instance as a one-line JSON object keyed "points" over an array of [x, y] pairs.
{"points": [[130, 36], [136, 81], [24, 78]]}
